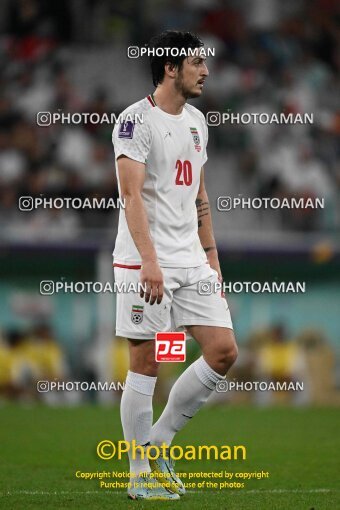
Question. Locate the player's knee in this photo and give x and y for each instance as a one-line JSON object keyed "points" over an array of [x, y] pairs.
{"points": [[142, 358], [226, 354], [151, 367], [232, 354], [147, 366]]}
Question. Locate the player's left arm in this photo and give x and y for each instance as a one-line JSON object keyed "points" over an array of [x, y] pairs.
{"points": [[205, 227]]}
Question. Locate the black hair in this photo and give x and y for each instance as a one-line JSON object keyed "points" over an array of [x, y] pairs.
{"points": [[170, 39]]}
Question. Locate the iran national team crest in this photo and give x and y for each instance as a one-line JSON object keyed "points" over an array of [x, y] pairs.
{"points": [[137, 314], [196, 138]]}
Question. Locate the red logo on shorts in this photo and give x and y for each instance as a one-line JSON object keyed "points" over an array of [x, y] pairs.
{"points": [[170, 346]]}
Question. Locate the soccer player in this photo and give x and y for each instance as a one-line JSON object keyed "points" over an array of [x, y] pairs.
{"points": [[165, 241]]}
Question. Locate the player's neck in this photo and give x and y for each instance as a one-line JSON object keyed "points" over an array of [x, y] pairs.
{"points": [[169, 101]]}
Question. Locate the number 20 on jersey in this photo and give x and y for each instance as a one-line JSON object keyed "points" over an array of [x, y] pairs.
{"points": [[184, 173]]}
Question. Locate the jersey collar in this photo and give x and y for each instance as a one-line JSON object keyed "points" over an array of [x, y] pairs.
{"points": [[151, 100]]}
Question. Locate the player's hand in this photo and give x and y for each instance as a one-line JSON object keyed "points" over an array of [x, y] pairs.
{"points": [[151, 278], [214, 264]]}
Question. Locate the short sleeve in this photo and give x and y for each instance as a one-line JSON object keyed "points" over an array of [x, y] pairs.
{"points": [[205, 141], [132, 139]]}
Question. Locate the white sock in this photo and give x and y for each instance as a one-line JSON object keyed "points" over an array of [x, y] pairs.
{"points": [[136, 415], [191, 390]]}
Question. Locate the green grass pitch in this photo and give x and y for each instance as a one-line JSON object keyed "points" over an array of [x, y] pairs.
{"points": [[41, 449]]}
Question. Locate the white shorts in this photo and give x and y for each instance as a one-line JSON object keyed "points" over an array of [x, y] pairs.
{"points": [[181, 306]]}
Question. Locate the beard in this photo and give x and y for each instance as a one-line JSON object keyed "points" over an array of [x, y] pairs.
{"points": [[185, 91]]}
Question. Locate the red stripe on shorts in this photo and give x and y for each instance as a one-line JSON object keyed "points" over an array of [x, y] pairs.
{"points": [[126, 267]]}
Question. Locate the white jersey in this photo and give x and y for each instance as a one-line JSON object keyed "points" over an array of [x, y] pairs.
{"points": [[173, 149]]}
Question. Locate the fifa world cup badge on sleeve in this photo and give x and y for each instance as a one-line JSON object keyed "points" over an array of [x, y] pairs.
{"points": [[137, 314], [126, 129]]}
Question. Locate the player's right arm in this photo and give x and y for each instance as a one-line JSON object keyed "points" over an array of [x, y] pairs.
{"points": [[131, 179]]}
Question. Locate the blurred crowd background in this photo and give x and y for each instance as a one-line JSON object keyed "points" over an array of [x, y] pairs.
{"points": [[71, 56]]}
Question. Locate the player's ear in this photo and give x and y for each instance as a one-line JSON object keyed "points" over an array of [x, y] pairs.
{"points": [[170, 69]]}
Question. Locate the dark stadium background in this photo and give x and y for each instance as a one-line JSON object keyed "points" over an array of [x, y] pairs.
{"points": [[71, 56]]}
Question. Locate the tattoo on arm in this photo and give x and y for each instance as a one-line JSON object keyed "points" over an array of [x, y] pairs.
{"points": [[202, 210], [209, 248]]}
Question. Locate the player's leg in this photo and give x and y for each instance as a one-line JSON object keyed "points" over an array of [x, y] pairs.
{"points": [[138, 321], [136, 415], [136, 403], [197, 383], [218, 346], [192, 390]]}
